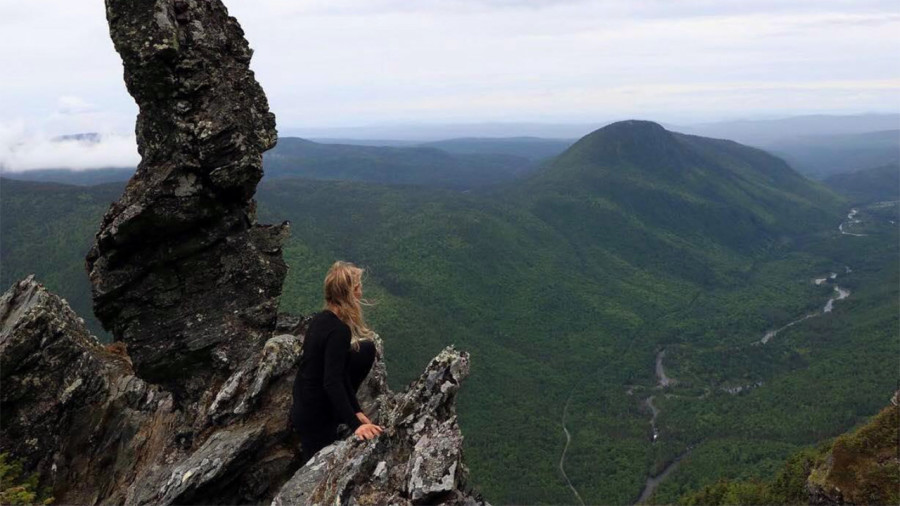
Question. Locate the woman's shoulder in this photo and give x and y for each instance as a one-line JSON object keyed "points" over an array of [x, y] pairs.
{"points": [[327, 321]]}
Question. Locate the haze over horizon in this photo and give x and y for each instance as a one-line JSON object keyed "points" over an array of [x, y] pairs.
{"points": [[383, 63]]}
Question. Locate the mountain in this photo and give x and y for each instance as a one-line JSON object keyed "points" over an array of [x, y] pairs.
{"points": [[636, 256], [532, 148], [868, 185], [823, 155], [770, 131], [85, 177], [680, 194], [294, 157]]}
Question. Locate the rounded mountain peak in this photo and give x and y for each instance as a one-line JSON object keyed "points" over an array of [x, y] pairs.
{"points": [[635, 143], [628, 131], [634, 126]]}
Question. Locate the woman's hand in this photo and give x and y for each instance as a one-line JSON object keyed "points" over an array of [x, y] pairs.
{"points": [[363, 419], [367, 431]]}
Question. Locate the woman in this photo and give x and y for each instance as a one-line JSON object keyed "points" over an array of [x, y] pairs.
{"points": [[338, 353]]}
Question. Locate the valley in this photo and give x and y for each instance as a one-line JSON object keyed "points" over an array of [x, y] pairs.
{"points": [[608, 299], [663, 381]]}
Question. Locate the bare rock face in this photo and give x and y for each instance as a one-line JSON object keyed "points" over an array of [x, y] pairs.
{"points": [[72, 409], [417, 460], [179, 270]]}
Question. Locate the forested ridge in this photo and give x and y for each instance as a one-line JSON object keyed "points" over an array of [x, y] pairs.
{"points": [[565, 285]]}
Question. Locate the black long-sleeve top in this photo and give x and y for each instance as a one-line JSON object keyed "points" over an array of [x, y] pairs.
{"points": [[323, 396]]}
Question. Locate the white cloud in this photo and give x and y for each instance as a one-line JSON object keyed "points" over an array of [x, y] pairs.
{"points": [[21, 150], [351, 62], [74, 105], [335, 66]]}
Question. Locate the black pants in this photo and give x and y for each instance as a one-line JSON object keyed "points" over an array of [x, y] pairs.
{"points": [[358, 368]]}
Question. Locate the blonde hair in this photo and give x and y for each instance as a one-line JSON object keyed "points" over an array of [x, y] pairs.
{"points": [[340, 287]]}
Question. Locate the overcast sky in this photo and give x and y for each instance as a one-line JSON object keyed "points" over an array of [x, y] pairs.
{"points": [[338, 63]]}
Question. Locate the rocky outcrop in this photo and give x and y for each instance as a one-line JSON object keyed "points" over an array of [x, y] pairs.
{"points": [[74, 411], [863, 466], [190, 404], [417, 460], [179, 269]]}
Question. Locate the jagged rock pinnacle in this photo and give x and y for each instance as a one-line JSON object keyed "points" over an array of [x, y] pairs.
{"points": [[416, 461], [179, 270]]}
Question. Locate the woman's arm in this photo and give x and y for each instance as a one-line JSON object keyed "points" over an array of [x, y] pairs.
{"points": [[351, 394], [337, 344], [360, 415]]}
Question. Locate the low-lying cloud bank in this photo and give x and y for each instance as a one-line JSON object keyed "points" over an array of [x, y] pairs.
{"points": [[22, 151]]}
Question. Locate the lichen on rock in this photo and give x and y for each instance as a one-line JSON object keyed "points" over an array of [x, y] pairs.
{"points": [[417, 460], [75, 411], [72, 409], [179, 255]]}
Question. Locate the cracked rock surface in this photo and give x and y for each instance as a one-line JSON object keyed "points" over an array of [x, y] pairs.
{"points": [[72, 409], [179, 255], [75, 411], [417, 460]]}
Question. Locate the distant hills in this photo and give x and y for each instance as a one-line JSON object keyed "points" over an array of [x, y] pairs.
{"points": [[430, 132], [486, 154], [460, 164], [825, 155], [565, 282], [764, 132], [868, 185], [817, 146], [532, 148], [293, 157], [86, 177], [746, 131]]}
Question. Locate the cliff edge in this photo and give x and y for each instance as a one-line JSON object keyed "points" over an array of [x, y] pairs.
{"points": [[862, 466]]}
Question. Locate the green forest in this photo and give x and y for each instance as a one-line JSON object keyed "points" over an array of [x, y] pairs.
{"points": [[566, 284]]}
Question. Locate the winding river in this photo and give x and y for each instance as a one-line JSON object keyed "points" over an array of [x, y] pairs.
{"points": [[562, 458], [663, 381], [851, 220], [654, 481], [840, 294], [654, 413]]}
